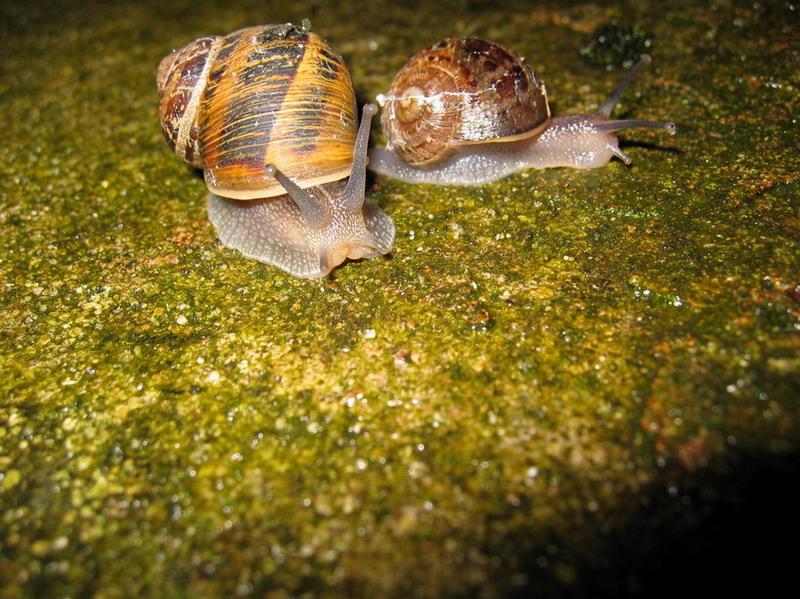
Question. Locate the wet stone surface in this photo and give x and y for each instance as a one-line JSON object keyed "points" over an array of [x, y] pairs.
{"points": [[566, 383]]}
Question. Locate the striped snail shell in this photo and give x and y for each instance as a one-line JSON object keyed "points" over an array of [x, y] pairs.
{"points": [[269, 114], [461, 92], [273, 94]]}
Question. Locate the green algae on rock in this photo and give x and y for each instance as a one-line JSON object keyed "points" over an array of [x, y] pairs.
{"points": [[562, 384], [614, 45]]}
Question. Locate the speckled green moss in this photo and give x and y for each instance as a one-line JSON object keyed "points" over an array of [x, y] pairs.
{"points": [[546, 375]]}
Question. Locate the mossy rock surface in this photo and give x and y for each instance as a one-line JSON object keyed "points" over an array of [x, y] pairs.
{"points": [[566, 383]]}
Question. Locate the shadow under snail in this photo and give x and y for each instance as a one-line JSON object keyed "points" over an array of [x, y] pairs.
{"points": [[469, 111], [269, 114]]}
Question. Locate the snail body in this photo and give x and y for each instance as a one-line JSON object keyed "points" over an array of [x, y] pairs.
{"points": [[269, 114], [480, 87]]}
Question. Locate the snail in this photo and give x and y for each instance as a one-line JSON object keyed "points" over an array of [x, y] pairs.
{"points": [[269, 114], [469, 111]]}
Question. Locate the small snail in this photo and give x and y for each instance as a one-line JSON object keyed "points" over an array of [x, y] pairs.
{"points": [[269, 114], [468, 112]]}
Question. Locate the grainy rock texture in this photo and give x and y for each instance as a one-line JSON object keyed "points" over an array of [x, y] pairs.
{"points": [[566, 383]]}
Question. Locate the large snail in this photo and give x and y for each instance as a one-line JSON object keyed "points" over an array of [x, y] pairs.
{"points": [[468, 112], [269, 114]]}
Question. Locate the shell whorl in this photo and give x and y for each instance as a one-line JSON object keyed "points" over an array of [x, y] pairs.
{"points": [[421, 114], [272, 94], [459, 92], [181, 80]]}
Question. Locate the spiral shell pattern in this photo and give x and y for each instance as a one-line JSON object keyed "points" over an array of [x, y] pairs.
{"points": [[459, 92], [181, 80], [273, 94]]}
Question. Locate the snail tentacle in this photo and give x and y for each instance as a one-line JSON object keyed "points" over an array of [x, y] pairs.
{"points": [[353, 194], [619, 125], [608, 106], [315, 214]]}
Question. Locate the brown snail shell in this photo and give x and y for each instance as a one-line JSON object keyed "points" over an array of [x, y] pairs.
{"points": [[272, 94], [460, 92]]}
